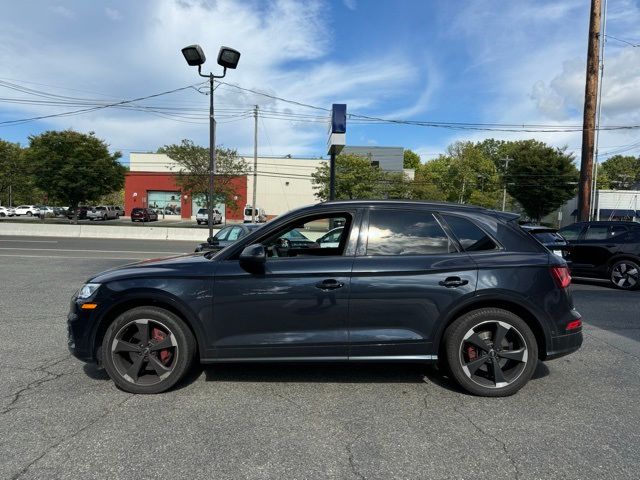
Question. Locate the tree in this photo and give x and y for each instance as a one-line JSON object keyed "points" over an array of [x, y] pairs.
{"points": [[72, 167], [541, 178], [411, 160], [15, 176], [619, 172], [356, 178], [465, 174], [193, 172]]}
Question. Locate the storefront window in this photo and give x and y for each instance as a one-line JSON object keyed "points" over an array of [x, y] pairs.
{"points": [[199, 201], [167, 203]]}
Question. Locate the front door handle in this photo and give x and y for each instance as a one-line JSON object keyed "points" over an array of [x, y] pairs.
{"points": [[451, 282], [330, 284]]}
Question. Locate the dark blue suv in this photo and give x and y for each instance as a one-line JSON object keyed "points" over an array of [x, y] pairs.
{"points": [[406, 281]]}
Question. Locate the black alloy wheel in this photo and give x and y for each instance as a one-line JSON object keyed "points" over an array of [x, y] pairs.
{"points": [[625, 274], [491, 352], [147, 350]]}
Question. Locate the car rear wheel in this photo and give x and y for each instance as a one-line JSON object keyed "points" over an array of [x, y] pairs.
{"points": [[29, 214], [147, 350], [491, 352], [625, 274]]}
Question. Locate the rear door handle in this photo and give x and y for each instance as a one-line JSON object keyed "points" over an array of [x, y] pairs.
{"points": [[330, 284], [451, 282]]}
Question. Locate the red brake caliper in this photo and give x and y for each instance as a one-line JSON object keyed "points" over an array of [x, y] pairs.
{"points": [[472, 353], [158, 335]]}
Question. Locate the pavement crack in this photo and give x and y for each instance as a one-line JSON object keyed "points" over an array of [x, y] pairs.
{"points": [[352, 463], [49, 376], [71, 436], [493, 437]]}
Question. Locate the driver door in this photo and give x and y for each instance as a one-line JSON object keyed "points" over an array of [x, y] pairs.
{"points": [[296, 308]]}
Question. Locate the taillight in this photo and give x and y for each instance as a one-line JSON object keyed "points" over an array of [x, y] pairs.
{"points": [[561, 276], [574, 325]]}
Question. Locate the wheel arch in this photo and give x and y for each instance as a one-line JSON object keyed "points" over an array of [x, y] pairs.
{"points": [[543, 338], [154, 299], [621, 256]]}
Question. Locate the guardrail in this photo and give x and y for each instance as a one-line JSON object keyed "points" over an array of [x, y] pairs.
{"points": [[95, 231]]}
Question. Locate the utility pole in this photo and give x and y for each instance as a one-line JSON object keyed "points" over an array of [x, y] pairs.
{"points": [[255, 164], [504, 179], [589, 119]]}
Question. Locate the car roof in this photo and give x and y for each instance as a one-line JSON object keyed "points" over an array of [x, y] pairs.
{"points": [[439, 206]]}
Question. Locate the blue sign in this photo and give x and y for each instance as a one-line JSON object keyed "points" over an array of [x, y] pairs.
{"points": [[339, 118]]}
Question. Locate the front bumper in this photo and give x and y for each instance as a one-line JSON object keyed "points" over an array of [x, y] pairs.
{"points": [[79, 332]]}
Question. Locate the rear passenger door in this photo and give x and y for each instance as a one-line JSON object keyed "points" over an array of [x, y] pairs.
{"points": [[406, 275]]}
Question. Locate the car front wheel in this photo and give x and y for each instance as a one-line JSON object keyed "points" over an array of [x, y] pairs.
{"points": [[491, 352], [625, 274], [147, 350]]}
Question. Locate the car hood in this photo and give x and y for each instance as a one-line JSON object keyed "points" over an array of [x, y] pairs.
{"points": [[179, 265]]}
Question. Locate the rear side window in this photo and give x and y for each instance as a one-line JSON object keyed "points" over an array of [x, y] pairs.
{"points": [[393, 232], [617, 230], [470, 236], [597, 232]]}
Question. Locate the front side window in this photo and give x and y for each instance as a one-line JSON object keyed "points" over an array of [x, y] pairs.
{"points": [[300, 238], [223, 234], [572, 232], [235, 234], [394, 232], [470, 236]]}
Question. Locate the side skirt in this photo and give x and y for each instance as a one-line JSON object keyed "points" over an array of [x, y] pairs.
{"points": [[380, 358]]}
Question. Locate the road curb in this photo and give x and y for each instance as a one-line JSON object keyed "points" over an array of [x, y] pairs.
{"points": [[94, 231]]}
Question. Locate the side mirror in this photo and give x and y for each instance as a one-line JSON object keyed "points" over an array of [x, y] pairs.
{"points": [[253, 258], [213, 241]]}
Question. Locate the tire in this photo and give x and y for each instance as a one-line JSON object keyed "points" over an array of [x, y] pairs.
{"points": [[146, 370], [29, 214], [505, 370], [104, 219], [625, 274], [2, 214]]}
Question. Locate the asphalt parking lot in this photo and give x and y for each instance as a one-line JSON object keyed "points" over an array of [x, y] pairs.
{"points": [[578, 418]]}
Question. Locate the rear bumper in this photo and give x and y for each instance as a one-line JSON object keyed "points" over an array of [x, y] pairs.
{"points": [[562, 345]]}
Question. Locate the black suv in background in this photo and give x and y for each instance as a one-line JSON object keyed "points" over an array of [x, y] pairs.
{"points": [[606, 249], [405, 281]]}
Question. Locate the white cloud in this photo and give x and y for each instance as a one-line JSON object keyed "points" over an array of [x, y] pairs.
{"points": [[350, 4], [284, 49], [113, 14], [62, 11]]}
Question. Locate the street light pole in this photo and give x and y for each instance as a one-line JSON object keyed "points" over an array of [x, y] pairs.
{"points": [[212, 146], [227, 57]]}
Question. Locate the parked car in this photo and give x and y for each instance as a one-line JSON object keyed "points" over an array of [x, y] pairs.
{"points": [[28, 210], [549, 237], [605, 249], [226, 236], [202, 216], [260, 215], [81, 211], [455, 284], [331, 239], [103, 212], [44, 211], [7, 211], [60, 211], [143, 215]]}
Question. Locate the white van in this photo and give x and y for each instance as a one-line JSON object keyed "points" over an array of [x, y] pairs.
{"points": [[260, 214]]}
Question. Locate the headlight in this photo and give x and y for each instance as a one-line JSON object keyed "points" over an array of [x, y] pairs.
{"points": [[87, 290]]}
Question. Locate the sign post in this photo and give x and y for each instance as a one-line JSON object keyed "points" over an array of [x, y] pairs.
{"points": [[336, 142]]}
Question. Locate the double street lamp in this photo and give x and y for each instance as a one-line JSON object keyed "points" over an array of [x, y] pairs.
{"points": [[227, 58]]}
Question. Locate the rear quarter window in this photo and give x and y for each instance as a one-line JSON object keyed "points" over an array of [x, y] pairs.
{"points": [[471, 237]]}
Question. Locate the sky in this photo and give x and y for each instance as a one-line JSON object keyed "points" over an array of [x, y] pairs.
{"points": [[475, 61]]}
